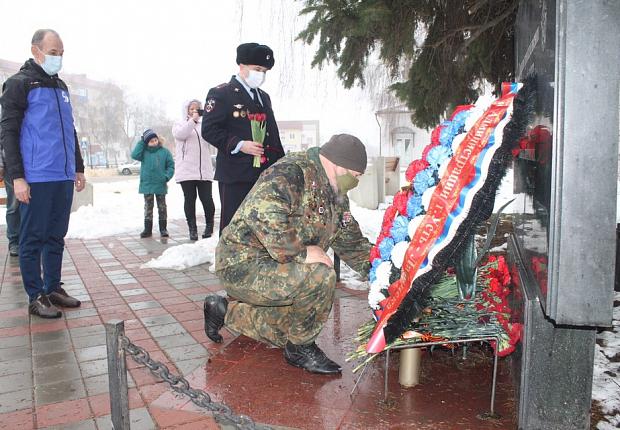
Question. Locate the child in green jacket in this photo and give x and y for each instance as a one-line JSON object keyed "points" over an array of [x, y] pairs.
{"points": [[156, 170]]}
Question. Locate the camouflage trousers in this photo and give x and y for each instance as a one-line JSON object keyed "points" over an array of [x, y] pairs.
{"points": [[149, 203], [276, 303]]}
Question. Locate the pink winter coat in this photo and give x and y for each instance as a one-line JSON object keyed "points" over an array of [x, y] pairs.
{"points": [[193, 153]]}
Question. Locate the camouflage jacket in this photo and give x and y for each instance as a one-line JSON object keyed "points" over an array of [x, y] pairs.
{"points": [[290, 207]]}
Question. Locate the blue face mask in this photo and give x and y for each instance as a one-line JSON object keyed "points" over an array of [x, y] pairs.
{"points": [[52, 64]]}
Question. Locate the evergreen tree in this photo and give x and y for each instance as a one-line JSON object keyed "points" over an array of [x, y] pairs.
{"points": [[445, 48]]}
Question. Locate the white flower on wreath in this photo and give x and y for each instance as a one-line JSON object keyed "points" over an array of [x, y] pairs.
{"points": [[443, 167], [413, 225], [398, 253], [456, 142], [426, 197], [375, 297], [384, 270], [481, 105]]}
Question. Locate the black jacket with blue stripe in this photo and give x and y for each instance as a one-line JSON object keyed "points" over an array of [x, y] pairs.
{"points": [[37, 130]]}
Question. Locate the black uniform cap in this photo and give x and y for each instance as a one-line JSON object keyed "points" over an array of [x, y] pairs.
{"points": [[253, 53]]}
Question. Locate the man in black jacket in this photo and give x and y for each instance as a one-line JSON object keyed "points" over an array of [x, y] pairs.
{"points": [[226, 125], [43, 159]]}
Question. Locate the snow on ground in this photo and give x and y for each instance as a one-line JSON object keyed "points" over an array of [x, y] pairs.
{"points": [[606, 382], [181, 257], [370, 224], [369, 220], [118, 209]]}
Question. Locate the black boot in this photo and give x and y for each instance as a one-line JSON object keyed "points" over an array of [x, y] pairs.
{"points": [[208, 230], [311, 358], [214, 310], [148, 228], [193, 230], [163, 228]]}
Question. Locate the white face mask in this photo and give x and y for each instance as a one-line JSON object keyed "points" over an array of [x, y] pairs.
{"points": [[52, 64], [255, 78]]}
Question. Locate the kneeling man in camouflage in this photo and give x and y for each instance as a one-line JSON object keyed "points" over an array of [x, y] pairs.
{"points": [[272, 257]]}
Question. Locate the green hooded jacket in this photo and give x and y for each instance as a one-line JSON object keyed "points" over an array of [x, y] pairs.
{"points": [[156, 170]]}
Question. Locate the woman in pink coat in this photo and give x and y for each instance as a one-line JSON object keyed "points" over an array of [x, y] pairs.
{"points": [[194, 168]]}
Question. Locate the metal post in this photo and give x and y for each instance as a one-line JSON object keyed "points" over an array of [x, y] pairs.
{"points": [[494, 378], [337, 266], [380, 132], [90, 156], [386, 374], [117, 375]]}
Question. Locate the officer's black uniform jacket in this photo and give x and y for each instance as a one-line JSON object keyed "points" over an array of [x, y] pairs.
{"points": [[225, 123]]}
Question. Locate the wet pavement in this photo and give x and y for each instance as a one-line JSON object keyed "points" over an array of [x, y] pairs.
{"points": [[53, 373]]}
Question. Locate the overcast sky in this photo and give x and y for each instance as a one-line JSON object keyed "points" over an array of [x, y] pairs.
{"points": [[174, 50]]}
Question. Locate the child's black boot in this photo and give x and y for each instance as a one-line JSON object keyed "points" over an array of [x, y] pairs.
{"points": [[163, 228], [148, 228]]}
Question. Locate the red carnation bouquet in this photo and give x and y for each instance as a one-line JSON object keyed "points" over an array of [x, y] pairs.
{"points": [[448, 317], [258, 122]]}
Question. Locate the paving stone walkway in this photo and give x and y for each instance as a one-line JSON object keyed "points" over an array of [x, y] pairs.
{"points": [[53, 373]]}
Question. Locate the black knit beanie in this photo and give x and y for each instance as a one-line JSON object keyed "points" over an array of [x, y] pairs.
{"points": [[148, 135], [345, 151]]}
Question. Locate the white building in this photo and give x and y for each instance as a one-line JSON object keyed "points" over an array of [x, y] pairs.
{"points": [[400, 138], [298, 135]]}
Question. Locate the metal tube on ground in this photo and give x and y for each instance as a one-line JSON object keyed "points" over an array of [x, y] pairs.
{"points": [[409, 371]]}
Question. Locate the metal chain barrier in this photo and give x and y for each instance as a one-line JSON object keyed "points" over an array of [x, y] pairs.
{"points": [[223, 414]]}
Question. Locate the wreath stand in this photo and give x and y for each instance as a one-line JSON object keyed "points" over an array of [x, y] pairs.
{"points": [[410, 356], [409, 370]]}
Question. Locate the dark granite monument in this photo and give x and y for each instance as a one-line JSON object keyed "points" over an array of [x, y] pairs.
{"points": [[564, 244]]}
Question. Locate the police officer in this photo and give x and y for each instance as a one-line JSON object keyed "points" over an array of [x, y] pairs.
{"points": [[226, 125], [272, 257]]}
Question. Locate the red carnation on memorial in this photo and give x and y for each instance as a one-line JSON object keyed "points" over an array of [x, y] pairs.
{"points": [[400, 201], [414, 168]]}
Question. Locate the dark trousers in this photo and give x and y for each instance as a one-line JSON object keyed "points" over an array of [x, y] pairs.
{"points": [[231, 196], [202, 189], [12, 214], [149, 203], [44, 224]]}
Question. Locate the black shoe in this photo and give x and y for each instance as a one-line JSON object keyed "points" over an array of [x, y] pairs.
{"points": [[148, 228], [311, 358], [14, 250], [59, 297], [208, 231], [42, 307], [163, 228], [193, 233], [215, 310]]}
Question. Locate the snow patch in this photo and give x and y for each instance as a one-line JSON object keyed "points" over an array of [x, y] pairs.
{"points": [[181, 257], [606, 378]]}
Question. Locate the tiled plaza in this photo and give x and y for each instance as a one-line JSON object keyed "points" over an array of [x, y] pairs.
{"points": [[53, 373]]}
